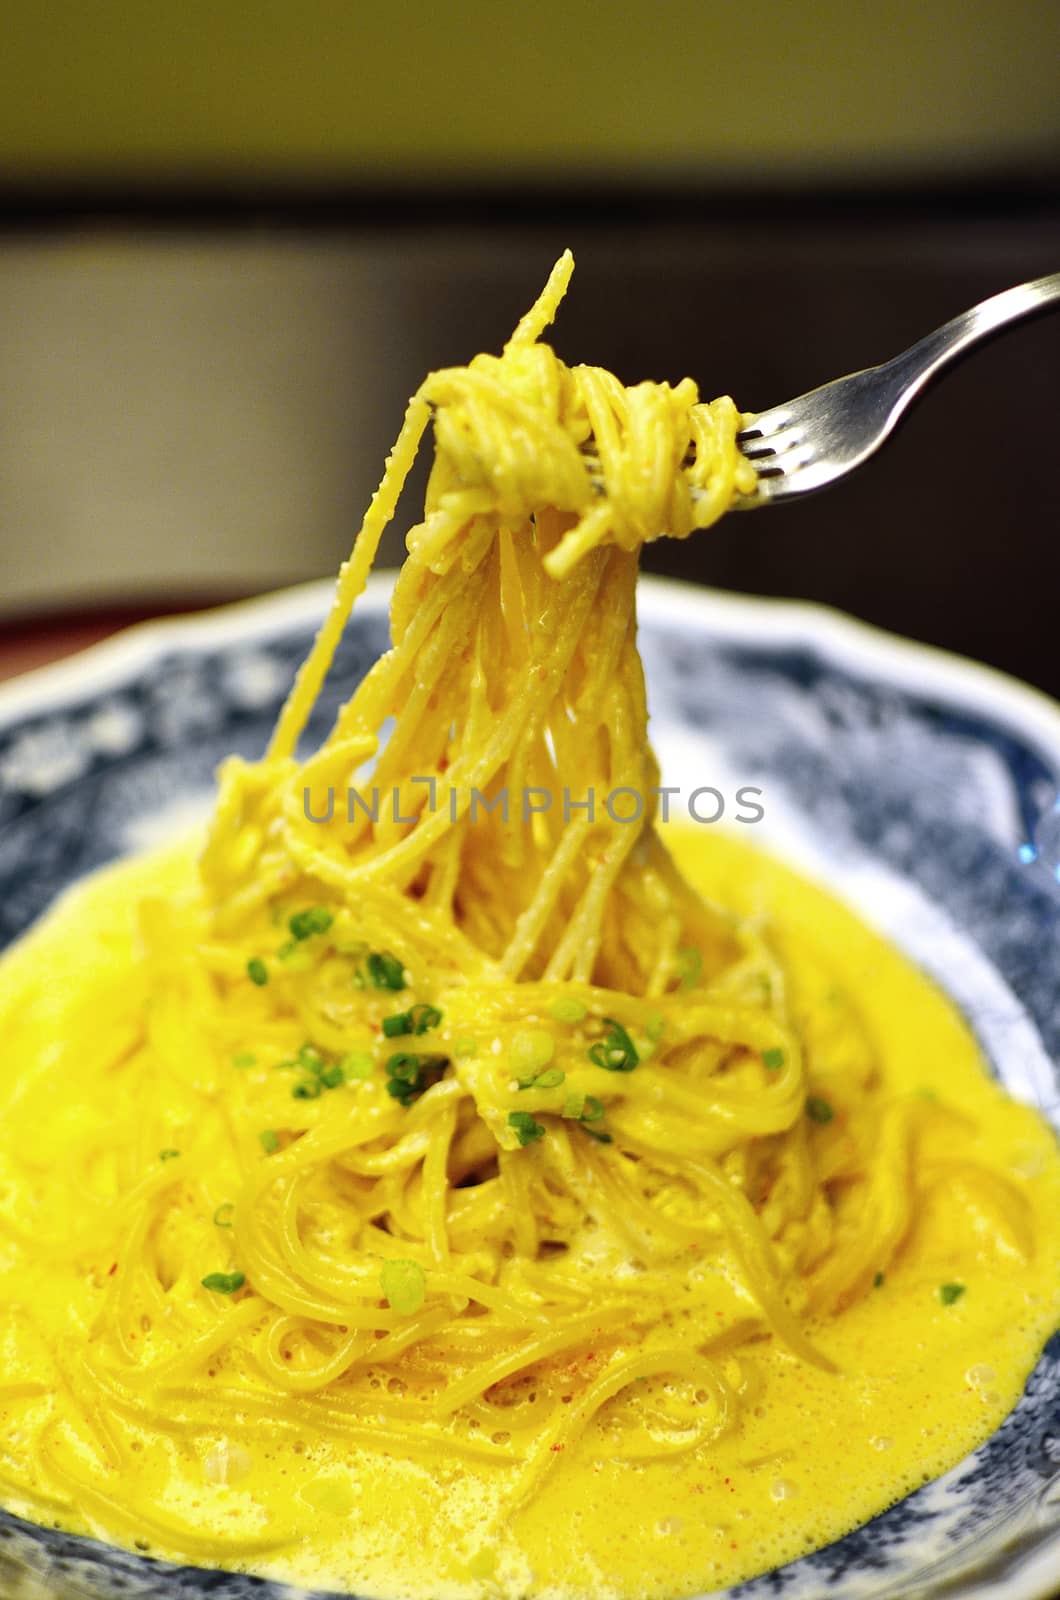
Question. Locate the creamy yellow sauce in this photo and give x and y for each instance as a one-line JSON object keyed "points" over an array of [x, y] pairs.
{"points": [[919, 1382]]}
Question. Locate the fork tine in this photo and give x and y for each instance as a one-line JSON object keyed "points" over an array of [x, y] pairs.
{"points": [[773, 444], [765, 423]]}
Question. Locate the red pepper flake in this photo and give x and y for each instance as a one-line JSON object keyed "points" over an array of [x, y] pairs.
{"points": [[113, 1269], [555, 1447]]}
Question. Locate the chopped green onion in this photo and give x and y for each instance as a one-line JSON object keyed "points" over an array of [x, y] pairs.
{"points": [[404, 1284], [566, 1009], [244, 1059], [223, 1215], [877, 1282], [772, 1060], [257, 971], [307, 1089], [596, 1133], [616, 1052], [818, 1110], [417, 1021], [949, 1292], [224, 1282], [410, 1075], [403, 1066], [527, 1129], [654, 1027], [385, 970], [167, 1155], [583, 1108], [531, 1049], [317, 919], [332, 1076], [270, 1141], [465, 1047], [311, 1059], [357, 1065], [689, 966], [544, 1080]]}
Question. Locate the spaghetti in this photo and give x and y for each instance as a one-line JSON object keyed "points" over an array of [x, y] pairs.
{"points": [[419, 1114]]}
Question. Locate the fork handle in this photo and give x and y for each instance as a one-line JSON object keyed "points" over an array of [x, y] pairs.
{"points": [[915, 368]]}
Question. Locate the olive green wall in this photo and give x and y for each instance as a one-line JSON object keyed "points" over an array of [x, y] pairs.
{"points": [[332, 90]]}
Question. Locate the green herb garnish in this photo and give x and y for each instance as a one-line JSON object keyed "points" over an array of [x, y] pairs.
{"points": [[949, 1292], [567, 1009], [385, 970], [525, 1126], [544, 1080], [167, 1155], [531, 1050], [307, 1089], [404, 1284], [773, 1060], [417, 1021], [877, 1282], [270, 1141], [315, 919], [332, 1076], [257, 971], [408, 1076], [616, 1052], [818, 1110], [357, 1065], [224, 1282], [223, 1215]]}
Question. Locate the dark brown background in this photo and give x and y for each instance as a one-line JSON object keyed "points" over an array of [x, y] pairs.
{"points": [[322, 313]]}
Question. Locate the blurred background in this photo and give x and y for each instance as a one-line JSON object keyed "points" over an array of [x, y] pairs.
{"points": [[234, 236]]}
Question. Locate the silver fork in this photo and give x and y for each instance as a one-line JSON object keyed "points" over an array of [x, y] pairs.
{"points": [[808, 443]]}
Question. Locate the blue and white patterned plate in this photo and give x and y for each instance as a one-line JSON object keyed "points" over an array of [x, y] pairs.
{"points": [[923, 789]]}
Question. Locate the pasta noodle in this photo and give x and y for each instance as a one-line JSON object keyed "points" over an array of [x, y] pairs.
{"points": [[441, 1076]]}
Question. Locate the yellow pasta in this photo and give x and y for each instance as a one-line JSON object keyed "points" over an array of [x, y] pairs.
{"points": [[439, 1116]]}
